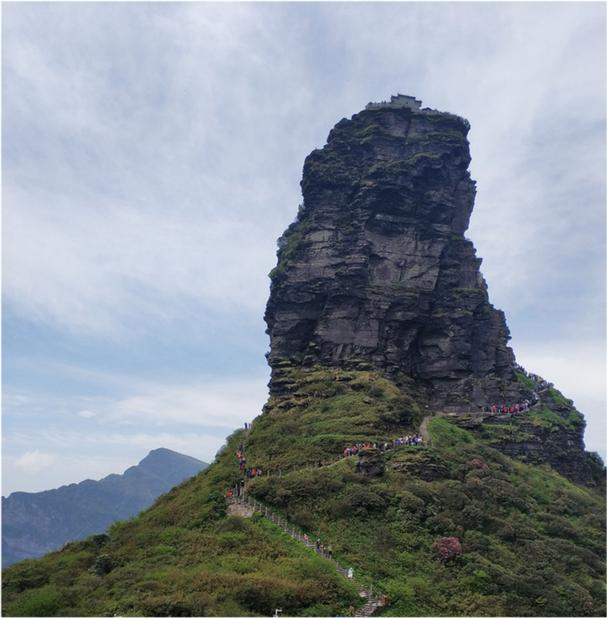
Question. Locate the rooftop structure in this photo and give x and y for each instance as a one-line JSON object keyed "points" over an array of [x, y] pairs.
{"points": [[398, 101]]}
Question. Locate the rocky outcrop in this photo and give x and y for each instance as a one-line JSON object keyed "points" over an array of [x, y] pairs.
{"points": [[370, 462], [376, 274], [376, 270], [551, 433]]}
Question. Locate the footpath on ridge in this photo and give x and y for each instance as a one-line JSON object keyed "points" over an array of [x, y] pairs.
{"points": [[240, 503], [245, 506]]}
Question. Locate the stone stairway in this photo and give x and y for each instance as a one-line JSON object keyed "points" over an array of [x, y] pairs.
{"points": [[369, 608], [247, 505]]}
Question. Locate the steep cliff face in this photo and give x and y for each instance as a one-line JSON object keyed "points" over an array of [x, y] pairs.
{"points": [[376, 274], [376, 271]]}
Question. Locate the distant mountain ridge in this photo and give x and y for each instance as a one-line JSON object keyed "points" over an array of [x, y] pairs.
{"points": [[36, 523]]}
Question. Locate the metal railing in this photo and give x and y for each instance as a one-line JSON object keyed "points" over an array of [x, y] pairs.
{"points": [[373, 601]]}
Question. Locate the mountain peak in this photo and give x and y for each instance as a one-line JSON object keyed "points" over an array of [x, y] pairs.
{"points": [[167, 455], [35, 523], [376, 271], [380, 328]]}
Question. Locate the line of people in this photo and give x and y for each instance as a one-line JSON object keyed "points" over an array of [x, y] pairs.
{"points": [[409, 440], [248, 472], [513, 408], [353, 450]]}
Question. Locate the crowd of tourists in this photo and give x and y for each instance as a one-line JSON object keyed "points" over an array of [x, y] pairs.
{"points": [[409, 440], [354, 450], [248, 472], [511, 408]]}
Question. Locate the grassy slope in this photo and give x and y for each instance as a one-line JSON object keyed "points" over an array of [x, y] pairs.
{"points": [[533, 542], [182, 557]]}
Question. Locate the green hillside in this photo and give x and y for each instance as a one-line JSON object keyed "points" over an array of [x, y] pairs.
{"points": [[532, 542]]}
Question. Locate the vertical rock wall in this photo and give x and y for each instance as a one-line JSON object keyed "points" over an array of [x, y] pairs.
{"points": [[376, 271]]}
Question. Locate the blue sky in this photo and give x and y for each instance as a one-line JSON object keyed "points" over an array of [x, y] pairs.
{"points": [[152, 155]]}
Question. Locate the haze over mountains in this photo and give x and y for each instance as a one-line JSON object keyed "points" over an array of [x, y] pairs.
{"points": [[36, 523]]}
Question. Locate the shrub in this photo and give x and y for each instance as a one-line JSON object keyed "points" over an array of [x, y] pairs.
{"points": [[412, 505], [477, 462], [447, 548], [364, 500], [43, 601], [104, 563], [165, 606]]}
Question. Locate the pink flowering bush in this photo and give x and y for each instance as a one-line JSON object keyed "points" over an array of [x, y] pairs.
{"points": [[447, 548], [477, 462]]}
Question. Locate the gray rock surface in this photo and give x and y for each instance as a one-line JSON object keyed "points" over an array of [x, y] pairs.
{"points": [[376, 274], [376, 270], [370, 462]]}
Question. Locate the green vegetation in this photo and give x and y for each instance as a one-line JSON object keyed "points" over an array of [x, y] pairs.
{"points": [[532, 542], [182, 557], [523, 380], [545, 417], [327, 410], [559, 398], [292, 238]]}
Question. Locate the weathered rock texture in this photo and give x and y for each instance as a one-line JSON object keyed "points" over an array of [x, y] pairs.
{"points": [[552, 433], [375, 273], [370, 463], [376, 270]]}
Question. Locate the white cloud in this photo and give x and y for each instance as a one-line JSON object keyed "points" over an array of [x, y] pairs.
{"points": [[137, 268], [193, 419], [63, 470], [33, 462], [147, 172], [151, 199], [73, 456], [225, 403]]}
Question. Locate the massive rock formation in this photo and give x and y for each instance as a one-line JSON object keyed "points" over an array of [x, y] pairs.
{"points": [[376, 270], [376, 274]]}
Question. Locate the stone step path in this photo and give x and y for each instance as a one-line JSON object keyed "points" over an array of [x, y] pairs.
{"points": [[480, 415], [242, 509], [246, 505]]}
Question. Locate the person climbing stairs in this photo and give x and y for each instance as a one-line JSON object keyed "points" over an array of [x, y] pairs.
{"points": [[246, 505]]}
